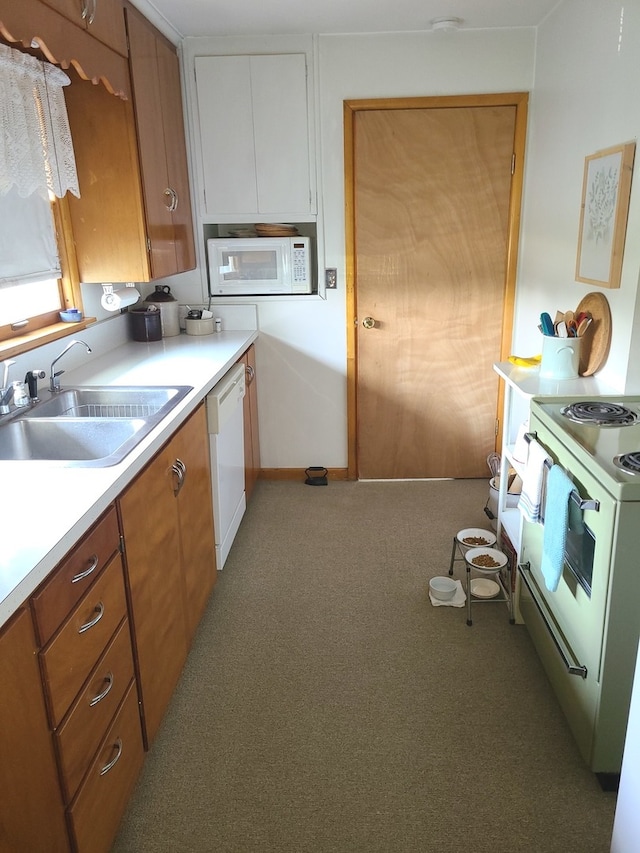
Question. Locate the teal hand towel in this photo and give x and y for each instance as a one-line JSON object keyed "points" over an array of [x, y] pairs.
{"points": [[556, 522]]}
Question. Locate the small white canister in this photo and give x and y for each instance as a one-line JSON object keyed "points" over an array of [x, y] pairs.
{"points": [[169, 309], [560, 357]]}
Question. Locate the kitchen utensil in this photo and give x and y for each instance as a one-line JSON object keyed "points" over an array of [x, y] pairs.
{"points": [[596, 339], [547, 324], [583, 325]]}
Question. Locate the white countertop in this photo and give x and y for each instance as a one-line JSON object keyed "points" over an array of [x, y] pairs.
{"points": [[529, 382], [46, 509]]}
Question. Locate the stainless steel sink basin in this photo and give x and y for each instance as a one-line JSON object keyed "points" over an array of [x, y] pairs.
{"points": [[89, 427], [97, 442], [110, 401]]}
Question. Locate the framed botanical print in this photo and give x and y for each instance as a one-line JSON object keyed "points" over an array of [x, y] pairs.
{"points": [[606, 188]]}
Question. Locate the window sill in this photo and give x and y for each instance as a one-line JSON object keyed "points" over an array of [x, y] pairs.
{"points": [[31, 340]]}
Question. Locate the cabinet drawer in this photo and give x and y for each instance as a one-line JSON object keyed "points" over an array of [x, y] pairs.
{"points": [[78, 570], [98, 808], [84, 726], [73, 652]]}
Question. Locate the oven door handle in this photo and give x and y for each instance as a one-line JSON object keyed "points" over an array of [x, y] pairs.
{"points": [[575, 496], [572, 668]]}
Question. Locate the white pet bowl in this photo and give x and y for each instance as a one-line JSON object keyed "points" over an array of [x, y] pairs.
{"points": [[442, 588], [476, 534], [488, 560]]}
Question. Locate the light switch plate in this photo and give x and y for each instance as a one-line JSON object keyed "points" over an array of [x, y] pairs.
{"points": [[331, 278]]}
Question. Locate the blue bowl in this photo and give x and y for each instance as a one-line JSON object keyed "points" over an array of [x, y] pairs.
{"points": [[72, 316]]}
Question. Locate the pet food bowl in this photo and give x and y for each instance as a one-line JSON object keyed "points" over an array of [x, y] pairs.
{"points": [[442, 588]]}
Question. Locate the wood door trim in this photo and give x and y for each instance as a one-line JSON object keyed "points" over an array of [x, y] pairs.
{"points": [[519, 100]]}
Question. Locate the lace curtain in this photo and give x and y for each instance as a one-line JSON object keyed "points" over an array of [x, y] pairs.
{"points": [[36, 149]]}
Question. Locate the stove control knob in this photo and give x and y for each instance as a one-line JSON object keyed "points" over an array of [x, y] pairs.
{"points": [[369, 323]]}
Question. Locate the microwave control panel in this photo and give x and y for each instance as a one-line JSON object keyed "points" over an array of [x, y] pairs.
{"points": [[300, 263]]}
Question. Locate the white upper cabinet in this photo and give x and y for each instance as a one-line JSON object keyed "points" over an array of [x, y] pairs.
{"points": [[254, 135]]}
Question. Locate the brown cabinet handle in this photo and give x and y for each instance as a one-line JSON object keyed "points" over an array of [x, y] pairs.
{"points": [[99, 610], [109, 679], [110, 764], [251, 374], [93, 562]]}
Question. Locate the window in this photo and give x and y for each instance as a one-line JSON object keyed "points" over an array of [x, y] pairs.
{"points": [[37, 167]]}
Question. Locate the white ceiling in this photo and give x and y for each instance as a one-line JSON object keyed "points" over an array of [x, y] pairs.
{"points": [[262, 17]]}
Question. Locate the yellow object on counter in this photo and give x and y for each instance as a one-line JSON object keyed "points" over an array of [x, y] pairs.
{"points": [[521, 361]]}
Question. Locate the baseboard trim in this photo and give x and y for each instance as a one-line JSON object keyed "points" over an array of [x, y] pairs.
{"points": [[299, 474]]}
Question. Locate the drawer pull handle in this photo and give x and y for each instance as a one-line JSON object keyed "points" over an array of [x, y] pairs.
{"points": [[110, 764], [109, 679], [94, 560], [99, 611]]}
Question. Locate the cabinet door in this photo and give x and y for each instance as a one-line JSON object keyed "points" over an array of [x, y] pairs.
{"points": [[195, 509], [226, 134], [108, 219], [279, 100], [149, 522], [104, 19], [254, 134], [251, 434], [64, 43], [155, 77], [31, 813]]}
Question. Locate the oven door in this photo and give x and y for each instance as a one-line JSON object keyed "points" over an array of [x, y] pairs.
{"points": [[578, 612], [568, 626]]}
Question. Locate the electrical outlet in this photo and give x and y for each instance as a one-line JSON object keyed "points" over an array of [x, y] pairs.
{"points": [[331, 278]]}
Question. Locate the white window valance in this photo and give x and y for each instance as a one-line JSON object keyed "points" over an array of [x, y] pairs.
{"points": [[36, 149]]}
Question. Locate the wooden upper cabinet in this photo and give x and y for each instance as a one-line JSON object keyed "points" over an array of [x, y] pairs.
{"points": [[107, 221], [104, 19], [157, 96], [95, 57]]}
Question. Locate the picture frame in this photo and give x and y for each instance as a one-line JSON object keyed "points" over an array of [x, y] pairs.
{"points": [[606, 188]]}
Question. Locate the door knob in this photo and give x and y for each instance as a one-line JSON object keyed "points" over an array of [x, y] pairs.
{"points": [[368, 322]]}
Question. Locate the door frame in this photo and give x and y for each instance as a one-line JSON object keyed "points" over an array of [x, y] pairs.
{"points": [[351, 108]]}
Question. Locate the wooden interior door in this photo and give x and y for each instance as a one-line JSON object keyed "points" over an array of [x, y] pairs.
{"points": [[432, 211]]}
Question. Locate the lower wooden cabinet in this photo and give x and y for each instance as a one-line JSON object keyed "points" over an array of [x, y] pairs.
{"points": [[95, 813], [31, 808], [77, 689], [167, 520]]}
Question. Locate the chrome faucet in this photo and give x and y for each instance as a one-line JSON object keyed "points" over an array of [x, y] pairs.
{"points": [[6, 390], [54, 381]]}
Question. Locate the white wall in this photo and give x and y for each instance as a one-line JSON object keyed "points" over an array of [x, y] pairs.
{"points": [[301, 351], [585, 99]]}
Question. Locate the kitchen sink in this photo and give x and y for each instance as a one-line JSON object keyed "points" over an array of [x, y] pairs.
{"points": [[110, 401], [100, 441], [89, 427]]}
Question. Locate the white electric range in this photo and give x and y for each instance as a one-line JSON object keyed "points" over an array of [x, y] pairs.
{"points": [[586, 631]]}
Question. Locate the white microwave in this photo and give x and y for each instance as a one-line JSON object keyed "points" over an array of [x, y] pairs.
{"points": [[255, 266]]}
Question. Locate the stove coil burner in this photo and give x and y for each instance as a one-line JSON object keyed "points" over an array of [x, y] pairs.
{"points": [[629, 462], [600, 413]]}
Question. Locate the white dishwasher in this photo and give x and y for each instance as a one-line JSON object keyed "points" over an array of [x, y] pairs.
{"points": [[226, 443]]}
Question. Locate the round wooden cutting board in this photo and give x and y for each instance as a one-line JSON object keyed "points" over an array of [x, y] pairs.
{"points": [[594, 347]]}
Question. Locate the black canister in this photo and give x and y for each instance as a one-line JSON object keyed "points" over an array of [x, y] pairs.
{"points": [[145, 324]]}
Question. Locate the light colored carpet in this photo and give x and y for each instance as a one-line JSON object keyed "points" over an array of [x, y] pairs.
{"points": [[328, 707]]}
